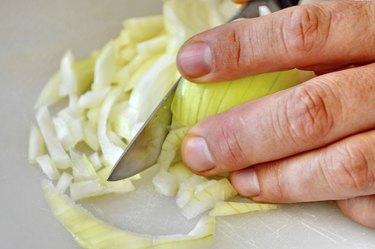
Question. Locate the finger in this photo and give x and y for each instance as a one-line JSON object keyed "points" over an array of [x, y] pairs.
{"points": [[320, 70], [360, 209], [311, 115], [342, 170], [330, 33]]}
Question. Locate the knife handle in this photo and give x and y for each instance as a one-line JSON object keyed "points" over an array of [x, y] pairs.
{"points": [[287, 3]]}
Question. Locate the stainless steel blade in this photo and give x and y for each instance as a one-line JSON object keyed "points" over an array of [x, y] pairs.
{"points": [[145, 148]]}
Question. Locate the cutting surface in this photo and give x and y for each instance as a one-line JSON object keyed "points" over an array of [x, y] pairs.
{"points": [[33, 37]]}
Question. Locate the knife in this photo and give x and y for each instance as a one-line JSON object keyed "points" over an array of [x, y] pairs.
{"points": [[144, 149]]}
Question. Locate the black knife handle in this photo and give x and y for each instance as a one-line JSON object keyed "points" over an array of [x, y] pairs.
{"points": [[287, 3]]}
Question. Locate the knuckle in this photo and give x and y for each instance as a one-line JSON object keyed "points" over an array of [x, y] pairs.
{"points": [[306, 28], [231, 51], [230, 148], [351, 170], [237, 47], [307, 116]]}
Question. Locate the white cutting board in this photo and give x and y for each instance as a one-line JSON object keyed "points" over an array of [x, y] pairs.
{"points": [[33, 37]]}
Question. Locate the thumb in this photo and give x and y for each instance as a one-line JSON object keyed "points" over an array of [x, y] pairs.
{"points": [[299, 37], [222, 143]]}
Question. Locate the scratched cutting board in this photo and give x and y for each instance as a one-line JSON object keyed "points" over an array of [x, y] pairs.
{"points": [[33, 37]]}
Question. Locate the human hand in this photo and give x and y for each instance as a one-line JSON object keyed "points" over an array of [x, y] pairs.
{"points": [[313, 142]]}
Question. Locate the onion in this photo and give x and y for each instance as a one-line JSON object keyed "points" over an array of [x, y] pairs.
{"points": [[91, 232], [165, 183], [48, 167], [64, 182], [232, 208], [36, 144], [55, 149]]}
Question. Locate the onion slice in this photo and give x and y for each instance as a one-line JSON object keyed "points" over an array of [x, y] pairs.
{"points": [[232, 208], [48, 167], [64, 182], [111, 152], [55, 149], [36, 144], [90, 232]]}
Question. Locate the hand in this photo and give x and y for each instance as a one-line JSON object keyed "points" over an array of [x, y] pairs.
{"points": [[313, 142]]}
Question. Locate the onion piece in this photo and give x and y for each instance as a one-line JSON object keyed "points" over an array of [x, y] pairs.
{"points": [[143, 28], [68, 75], [118, 109], [74, 122], [179, 24], [48, 167], [128, 53], [90, 136], [63, 133], [153, 85], [37, 146], [203, 186], [124, 124], [207, 197], [87, 189], [95, 161], [187, 189], [232, 208], [92, 98], [76, 77], [165, 183], [111, 152], [64, 182], [90, 232], [105, 172], [119, 124], [124, 38], [50, 93], [105, 68], [122, 127], [171, 147], [54, 147], [180, 171], [129, 75], [93, 115], [99, 186], [119, 187], [85, 74], [82, 167], [156, 45], [115, 139]]}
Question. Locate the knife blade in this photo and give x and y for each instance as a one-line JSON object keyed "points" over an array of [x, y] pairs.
{"points": [[144, 150]]}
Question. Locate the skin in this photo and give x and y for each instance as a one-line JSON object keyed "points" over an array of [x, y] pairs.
{"points": [[312, 142]]}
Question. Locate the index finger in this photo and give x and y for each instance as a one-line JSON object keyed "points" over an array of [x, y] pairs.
{"points": [[325, 34]]}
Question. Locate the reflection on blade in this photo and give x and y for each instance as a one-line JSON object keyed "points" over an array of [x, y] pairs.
{"points": [[145, 147]]}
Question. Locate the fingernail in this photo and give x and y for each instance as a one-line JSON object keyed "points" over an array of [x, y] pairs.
{"points": [[197, 155], [195, 60], [246, 182]]}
